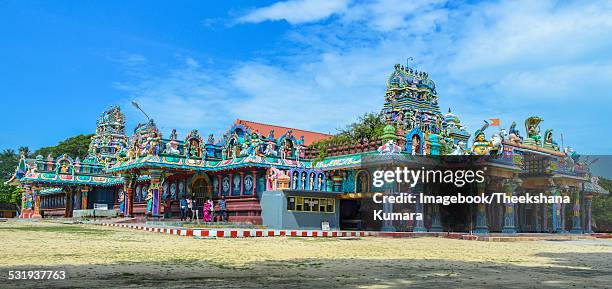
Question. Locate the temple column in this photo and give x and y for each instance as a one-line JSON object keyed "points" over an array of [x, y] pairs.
{"points": [[68, 203], [544, 218], [588, 201], [576, 221], [219, 186], [388, 208], [509, 188], [419, 225], [389, 189], [84, 192], [36, 198], [154, 188], [255, 184], [562, 216], [129, 195], [241, 184], [556, 211], [231, 185], [436, 222], [481, 212]]}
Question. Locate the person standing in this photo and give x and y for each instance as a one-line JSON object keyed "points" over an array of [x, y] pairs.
{"points": [[168, 208], [189, 208], [222, 209], [211, 207], [194, 210], [183, 205], [207, 211]]}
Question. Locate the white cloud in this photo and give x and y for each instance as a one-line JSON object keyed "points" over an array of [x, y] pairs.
{"points": [[296, 11], [507, 59]]}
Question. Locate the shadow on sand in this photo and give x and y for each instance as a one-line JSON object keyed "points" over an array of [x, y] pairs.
{"points": [[567, 270]]}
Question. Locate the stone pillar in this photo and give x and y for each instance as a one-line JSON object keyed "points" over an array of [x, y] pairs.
{"points": [[562, 217], [436, 222], [129, 196], [241, 184], [254, 183], [36, 199], [231, 185], [84, 192], [419, 225], [482, 226], [509, 188], [388, 208], [576, 226], [219, 186], [556, 211], [588, 201], [68, 203], [155, 189], [544, 218]]}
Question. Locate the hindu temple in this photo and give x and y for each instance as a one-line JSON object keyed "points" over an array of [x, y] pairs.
{"points": [[278, 177]]}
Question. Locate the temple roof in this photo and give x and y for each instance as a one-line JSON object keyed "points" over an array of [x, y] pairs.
{"points": [[309, 136]]}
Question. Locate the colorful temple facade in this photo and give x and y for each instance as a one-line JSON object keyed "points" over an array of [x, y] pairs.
{"points": [[275, 176]]}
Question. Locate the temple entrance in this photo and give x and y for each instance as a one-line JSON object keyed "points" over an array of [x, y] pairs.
{"points": [[200, 191], [350, 215]]}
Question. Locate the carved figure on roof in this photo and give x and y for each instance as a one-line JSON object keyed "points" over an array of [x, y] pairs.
{"points": [[253, 144], [514, 134], [497, 143], [532, 126], [153, 143], [570, 158], [389, 147], [232, 148], [481, 146], [549, 143], [64, 165], [270, 150], [121, 152], [286, 147], [193, 145], [172, 144], [458, 149], [211, 139], [271, 135]]}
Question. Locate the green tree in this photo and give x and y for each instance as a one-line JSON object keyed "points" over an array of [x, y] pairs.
{"points": [[10, 194], [602, 208], [367, 127], [73, 147], [8, 162]]}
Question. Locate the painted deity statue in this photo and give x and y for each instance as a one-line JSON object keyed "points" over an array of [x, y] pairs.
{"points": [[121, 202], [154, 142], [481, 146], [532, 126], [389, 147], [549, 143], [172, 144], [149, 199], [497, 142], [286, 148], [270, 150], [121, 153], [254, 144], [514, 134]]}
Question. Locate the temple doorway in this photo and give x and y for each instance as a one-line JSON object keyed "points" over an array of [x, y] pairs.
{"points": [[350, 214], [201, 190]]}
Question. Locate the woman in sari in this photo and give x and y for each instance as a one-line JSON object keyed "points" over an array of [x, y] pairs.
{"points": [[207, 216]]}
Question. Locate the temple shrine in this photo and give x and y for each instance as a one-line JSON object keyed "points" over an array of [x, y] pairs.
{"points": [[275, 176]]}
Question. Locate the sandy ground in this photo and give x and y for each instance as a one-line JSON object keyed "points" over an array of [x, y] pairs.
{"points": [[103, 257]]}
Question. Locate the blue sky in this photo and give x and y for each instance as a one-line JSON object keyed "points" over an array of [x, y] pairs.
{"points": [[314, 65]]}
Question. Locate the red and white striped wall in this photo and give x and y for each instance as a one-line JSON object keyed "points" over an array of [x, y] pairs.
{"points": [[242, 233]]}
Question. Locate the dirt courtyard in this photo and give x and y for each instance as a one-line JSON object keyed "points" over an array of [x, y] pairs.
{"points": [[108, 257]]}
